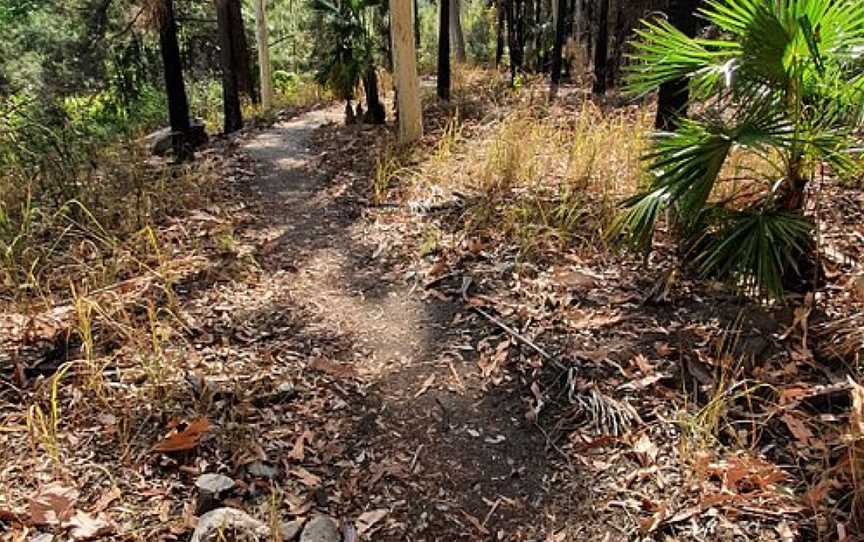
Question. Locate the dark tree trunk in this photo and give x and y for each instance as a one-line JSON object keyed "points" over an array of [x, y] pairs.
{"points": [[558, 49], [240, 51], [501, 14], [444, 50], [375, 113], [515, 24], [601, 50], [674, 96], [230, 82], [417, 25], [175, 89]]}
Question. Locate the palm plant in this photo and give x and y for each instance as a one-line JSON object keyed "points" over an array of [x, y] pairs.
{"points": [[350, 55], [782, 84]]}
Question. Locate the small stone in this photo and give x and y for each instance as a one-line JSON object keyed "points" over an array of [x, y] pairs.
{"points": [[260, 469], [321, 529], [290, 530], [211, 488], [229, 524]]}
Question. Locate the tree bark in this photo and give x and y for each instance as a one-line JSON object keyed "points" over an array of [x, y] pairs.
{"points": [[444, 50], [240, 51], [674, 97], [558, 49], [375, 113], [501, 16], [405, 68], [457, 35], [264, 66], [233, 120], [175, 88], [417, 24], [601, 50]]}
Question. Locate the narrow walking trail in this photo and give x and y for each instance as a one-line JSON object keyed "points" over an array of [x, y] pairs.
{"points": [[448, 460]]}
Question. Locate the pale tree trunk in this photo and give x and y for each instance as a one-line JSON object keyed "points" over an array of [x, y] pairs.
{"points": [[264, 65], [457, 35], [405, 68]]}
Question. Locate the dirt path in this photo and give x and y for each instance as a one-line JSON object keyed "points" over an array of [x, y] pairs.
{"points": [[458, 462]]}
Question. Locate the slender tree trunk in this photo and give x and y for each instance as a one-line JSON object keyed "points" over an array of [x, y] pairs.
{"points": [[674, 96], [601, 50], [175, 88], [264, 65], [405, 68], [457, 35], [417, 24], [514, 38], [444, 50], [240, 50], [230, 84], [558, 49], [375, 113], [501, 16]]}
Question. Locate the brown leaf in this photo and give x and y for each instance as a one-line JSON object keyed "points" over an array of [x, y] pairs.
{"points": [[85, 527], [339, 370], [368, 519], [645, 450], [105, 500], [798, 428], [53, 504], [306, 477], [298, 452], [187, 439]]}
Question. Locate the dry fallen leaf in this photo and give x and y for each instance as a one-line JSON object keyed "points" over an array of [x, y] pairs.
{"points": [[425, 387], [85, 527], [308, 479], [645, 450], [186, 439], [339, 370], [105, 500], [53, 504], [298, 453], [368, 519]]}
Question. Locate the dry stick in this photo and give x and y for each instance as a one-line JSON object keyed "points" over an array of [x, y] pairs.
{"points": [[466, 283]]}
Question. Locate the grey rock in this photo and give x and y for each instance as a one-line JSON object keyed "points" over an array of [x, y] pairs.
{"points": [[321, 529], [229, 524], [290, 531], [260, 469], [211, 489], [160, 141]]}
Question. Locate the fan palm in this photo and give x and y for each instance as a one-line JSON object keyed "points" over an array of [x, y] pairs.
{"points": [[350, 56], [781, 82]]}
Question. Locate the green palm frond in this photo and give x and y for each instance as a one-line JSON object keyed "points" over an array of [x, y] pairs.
{"points": [[756, 248]]}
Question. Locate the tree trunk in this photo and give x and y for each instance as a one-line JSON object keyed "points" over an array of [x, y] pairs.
{"points": [[501, 16], [444, 50], [405, 68], [514, 37], [558, 49], [375, 113], [230, 84], [601, 50], [264, 65], [674, 96], [240, 51], [457, 35], [175, 89], [417, 24]]}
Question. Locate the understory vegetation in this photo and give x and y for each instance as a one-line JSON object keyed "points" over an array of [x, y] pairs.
{"points": [[610, 290]]}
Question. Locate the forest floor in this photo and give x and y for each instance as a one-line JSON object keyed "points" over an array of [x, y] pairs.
{"points": [[350, 337]]}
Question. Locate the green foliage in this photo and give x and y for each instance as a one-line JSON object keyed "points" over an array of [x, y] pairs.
{"points": [[782, 84], [351, 43]]}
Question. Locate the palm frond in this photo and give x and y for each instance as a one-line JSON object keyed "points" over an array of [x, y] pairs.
{"points": [[756, 248]]}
